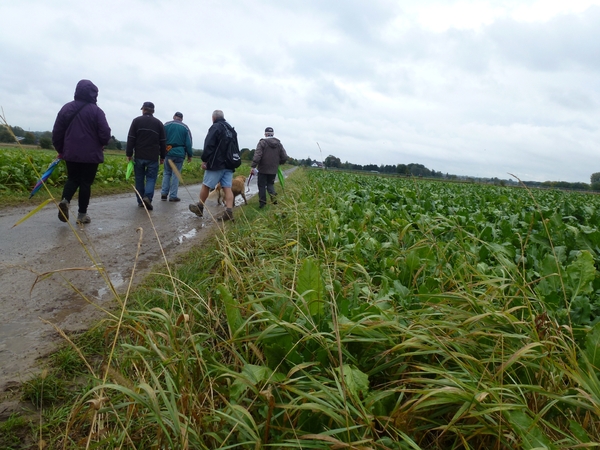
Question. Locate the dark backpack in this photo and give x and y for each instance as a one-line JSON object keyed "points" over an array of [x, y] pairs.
{"points": [[233, 158]]}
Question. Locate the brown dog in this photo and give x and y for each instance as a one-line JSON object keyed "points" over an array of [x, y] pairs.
{"points": [[238, 187]]}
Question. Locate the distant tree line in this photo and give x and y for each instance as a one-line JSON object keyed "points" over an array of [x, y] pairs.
{"points": [[44, 140], [25, 137], [577, 186], [416, 170]]}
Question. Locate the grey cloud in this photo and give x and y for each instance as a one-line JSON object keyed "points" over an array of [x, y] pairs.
{"points": [[573, 98], [324, 59], [550, 46], [326, 96], [356, 19]]}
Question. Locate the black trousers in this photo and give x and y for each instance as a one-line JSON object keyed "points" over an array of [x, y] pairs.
{"points": [[80, 176], [265, 182]]}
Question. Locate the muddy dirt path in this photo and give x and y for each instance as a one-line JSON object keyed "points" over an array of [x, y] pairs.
{"points": [[44, 244]]}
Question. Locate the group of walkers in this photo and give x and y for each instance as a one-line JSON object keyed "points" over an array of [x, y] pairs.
{"points": [[81, 131]]}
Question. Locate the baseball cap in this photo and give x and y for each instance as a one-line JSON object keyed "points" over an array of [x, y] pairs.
{"points": [[148, 105], [268, 130], [178, 114]]}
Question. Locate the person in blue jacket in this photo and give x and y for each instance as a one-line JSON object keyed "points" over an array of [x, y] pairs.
{"points": [[179, 144], [79, 135]]}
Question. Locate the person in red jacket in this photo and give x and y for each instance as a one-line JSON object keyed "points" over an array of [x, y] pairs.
{"points": [[79, 135]]}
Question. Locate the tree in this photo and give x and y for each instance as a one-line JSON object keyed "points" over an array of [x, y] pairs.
{"points": [[114, 143], [247, 154], [46, 142], [18, 131], [595, 178], [5, 134], [332, 161], [418, 170], [29, 138]]}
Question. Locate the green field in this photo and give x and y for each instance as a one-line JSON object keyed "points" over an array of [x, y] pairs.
{"points": [[361, 312], [20, 169]]}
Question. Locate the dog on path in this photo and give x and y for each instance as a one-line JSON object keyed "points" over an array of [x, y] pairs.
{"points": [[238, 187]]}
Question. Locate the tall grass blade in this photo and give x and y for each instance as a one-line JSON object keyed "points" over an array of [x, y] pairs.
{"points": [[33, 212]]}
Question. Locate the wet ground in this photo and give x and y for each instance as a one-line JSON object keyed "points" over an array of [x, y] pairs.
{"points": [[74, 293]]}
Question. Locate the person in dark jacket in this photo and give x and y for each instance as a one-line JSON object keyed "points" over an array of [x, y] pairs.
{"points": [[215, 170], [79, 135], [146, 139], [179, 144], [269, 154]]}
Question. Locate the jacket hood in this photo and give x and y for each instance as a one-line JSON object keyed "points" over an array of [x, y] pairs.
{"points": [[272, 141], [86, 91]]}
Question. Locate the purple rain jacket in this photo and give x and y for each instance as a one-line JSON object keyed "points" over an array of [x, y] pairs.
{"points": [[83, 139]]}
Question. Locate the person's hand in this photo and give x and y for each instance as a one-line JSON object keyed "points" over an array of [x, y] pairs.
{"points": [[254, 171], [189, 159], [60, 156], [204, 165], [162, 160], [128, 158]]}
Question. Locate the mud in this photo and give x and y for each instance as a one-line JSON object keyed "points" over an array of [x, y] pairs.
{"points": [[49, 273]]}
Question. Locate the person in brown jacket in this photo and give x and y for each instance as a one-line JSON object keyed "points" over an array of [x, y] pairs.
{"points": [[269, 154]]}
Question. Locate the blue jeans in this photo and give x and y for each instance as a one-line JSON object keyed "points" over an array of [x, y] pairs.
{"points": [[146, 172], [170, 182]]}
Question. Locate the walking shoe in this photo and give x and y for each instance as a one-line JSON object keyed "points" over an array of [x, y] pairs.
{"points": [[148, 203], [274, 202], [163, 197], [63, 210], [262, 205], [227, 215], [174, 199], [197, 209], [83, 218]]}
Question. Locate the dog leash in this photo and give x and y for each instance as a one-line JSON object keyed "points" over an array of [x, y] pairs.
{"points": [[248, 184]]}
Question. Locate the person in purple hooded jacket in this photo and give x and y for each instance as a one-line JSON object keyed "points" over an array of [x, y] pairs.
{"points": [[79, 135]]}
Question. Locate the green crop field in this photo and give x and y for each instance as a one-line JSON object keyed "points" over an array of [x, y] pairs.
{"points": [[20, 169], [361, 312]]}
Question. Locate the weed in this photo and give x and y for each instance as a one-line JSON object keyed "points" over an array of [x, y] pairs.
{"points": [[13, 431], [67, 361], [45, 389]]}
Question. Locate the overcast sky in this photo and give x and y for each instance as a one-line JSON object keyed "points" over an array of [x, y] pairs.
{"points": [[481, 88]]}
